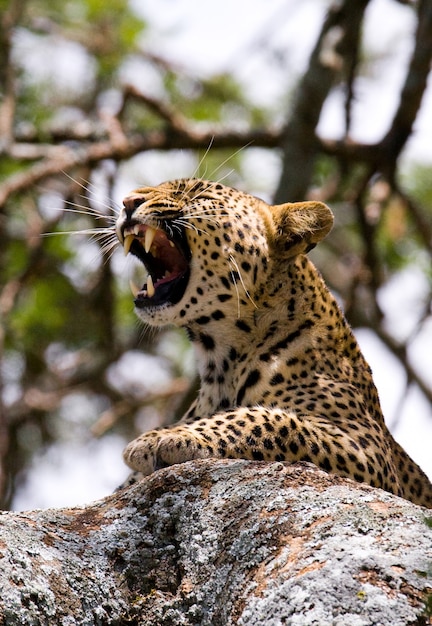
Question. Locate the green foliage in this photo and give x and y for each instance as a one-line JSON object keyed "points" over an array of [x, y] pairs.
{"points": [[396, 241], [417, 180], [220, 99], [39, 317]]}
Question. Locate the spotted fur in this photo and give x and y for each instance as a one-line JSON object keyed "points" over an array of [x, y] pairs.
{"points": [[282, 376]]}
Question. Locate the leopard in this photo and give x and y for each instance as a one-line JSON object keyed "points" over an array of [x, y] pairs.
{"points": [[282, 377]]}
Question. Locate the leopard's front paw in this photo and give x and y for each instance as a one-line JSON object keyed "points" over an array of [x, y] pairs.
{"points": [[141, 453], [160, 448]]}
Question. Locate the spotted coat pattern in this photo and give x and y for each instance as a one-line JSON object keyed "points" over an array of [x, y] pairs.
{"points": [[282, 376]]}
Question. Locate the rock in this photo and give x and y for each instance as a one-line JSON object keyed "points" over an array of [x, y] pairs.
{"points": [[221, 543]]}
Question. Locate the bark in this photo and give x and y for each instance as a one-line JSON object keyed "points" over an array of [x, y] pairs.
{"points": [[338, 42], [221, 543], [412, 92]]}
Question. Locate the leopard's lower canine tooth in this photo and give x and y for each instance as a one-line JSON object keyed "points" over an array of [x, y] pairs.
{"points": [[150, 287], [127, 243], [133, 287], [148, 239]]}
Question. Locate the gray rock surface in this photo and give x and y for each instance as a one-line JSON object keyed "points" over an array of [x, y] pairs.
{"points": [[221, 543]]}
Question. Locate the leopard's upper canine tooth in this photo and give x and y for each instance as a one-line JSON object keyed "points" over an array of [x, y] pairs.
{"points": [[127, 243], [148, 239], [134, 288], [150, 287]]}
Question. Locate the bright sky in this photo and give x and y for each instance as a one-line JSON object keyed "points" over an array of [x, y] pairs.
{"points": [[266, 45]]}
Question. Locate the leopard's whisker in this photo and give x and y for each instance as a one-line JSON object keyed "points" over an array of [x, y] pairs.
{"points": [[202, 159], [105, 205], [234, 282], [234, 262], [238, 151], [92, 195], [101, 231], [193, 227], [108, 248], [79, 210]]}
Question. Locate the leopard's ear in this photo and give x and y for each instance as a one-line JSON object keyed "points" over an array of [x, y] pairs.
{"points": [[299, 226]]}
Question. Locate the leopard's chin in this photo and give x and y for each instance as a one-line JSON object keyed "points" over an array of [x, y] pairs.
{"points": [[166, 259]]}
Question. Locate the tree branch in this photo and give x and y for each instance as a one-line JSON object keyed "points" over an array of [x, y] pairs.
{"points": [[325, 67], [412, 92], [63, 158], [9, 20], [423, 225], [174, 119], [400, 352]]}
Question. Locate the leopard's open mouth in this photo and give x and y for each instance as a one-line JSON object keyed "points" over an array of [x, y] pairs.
{"points": [[166, 260]]}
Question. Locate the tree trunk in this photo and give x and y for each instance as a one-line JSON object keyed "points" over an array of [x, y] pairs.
{"points": [[220, 543]]}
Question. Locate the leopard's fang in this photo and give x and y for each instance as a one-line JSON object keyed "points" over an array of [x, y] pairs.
{"points": [[134, 288], [128, 240], [149, 237], [150, 287]]}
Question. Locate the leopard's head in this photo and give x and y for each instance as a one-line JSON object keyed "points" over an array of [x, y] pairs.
{"points": [[209, 250]]}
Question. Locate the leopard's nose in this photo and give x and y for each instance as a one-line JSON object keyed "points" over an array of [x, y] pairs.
{"points": [[131, 203], [125, 218]]}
